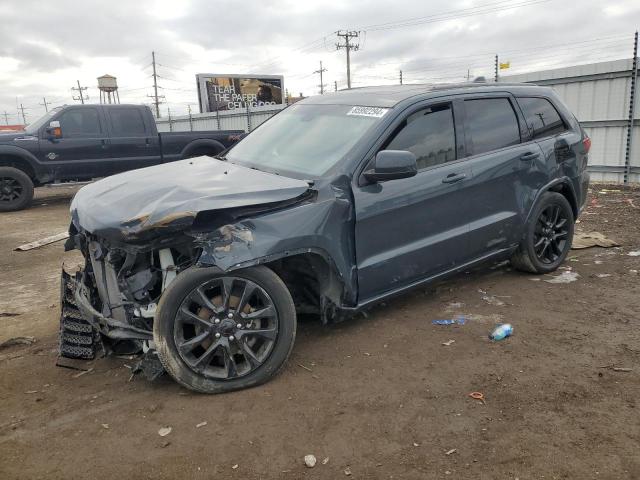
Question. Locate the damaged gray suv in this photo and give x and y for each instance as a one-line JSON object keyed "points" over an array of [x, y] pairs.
{"points": [[338, 202]]}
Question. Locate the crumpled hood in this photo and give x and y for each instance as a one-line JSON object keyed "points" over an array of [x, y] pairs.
{"points": [[172, 194]]}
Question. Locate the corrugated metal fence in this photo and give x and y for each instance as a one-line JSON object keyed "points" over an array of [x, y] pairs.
{"points": [[600, 95], [237, 119]]}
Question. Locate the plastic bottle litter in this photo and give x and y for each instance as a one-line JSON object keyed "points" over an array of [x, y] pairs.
{"points": [[460, 320], [501, 332]]}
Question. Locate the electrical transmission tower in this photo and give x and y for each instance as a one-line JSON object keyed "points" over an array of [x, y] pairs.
{"points": [[348, 46], [155, 96], [81, 96], [321, 71]]}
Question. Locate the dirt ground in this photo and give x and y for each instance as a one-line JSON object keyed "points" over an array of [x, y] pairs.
{"points": [[379, 397]]}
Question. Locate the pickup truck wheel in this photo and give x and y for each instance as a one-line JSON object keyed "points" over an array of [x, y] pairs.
{"points": [[216, 332], [16, 189], [548, 236]]}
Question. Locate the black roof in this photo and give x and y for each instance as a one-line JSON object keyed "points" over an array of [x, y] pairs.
{"points": [[391, 95]]}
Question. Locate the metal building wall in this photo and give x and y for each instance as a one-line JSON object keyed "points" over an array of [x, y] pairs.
{"points": [[224, 120], [599, 95]]}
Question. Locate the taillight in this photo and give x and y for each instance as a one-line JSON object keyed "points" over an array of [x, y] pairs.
{"points": [[586, 143]]}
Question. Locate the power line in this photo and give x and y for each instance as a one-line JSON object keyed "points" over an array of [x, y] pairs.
{"points": [[348, 35]]}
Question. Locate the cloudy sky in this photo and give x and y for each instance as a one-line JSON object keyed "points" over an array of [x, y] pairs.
{"points": [[45, 46]]}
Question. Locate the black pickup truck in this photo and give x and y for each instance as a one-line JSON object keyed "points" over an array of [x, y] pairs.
{"points": [[82, 142]]}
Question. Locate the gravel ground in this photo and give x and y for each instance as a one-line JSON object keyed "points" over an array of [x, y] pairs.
{"points": [[379, 397]]}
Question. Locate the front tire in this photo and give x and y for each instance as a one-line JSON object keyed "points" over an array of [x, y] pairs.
{"points": [[217, 332], [548, 235], [16, 189]]}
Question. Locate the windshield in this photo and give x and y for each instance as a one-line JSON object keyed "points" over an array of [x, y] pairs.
{"points": [[33, 127], [305, 139]]}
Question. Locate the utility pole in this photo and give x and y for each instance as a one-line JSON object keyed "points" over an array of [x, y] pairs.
{"points": [[400, 77], [24, 117], [45, 104], [497, 67], [468, 75], [81, 96], [633, 93], [335, 85], [321, 82], [6, 117], [348, 46], [155, 85]]}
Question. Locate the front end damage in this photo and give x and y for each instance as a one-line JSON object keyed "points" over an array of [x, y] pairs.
{"points": [[140, 230], [109, 305]]}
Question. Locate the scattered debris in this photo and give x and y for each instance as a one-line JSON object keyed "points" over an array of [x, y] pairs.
{"points": [[17, 341], [616, 369], [30, 392], [42, 242], [306, 368], [164, 431], [567, 276], [105, 426], [501, 332], [165, 444], [325, 461], [416, 444], [478, 396], [598, 262], [235, 466], [635, 253], [347, 471], [83, 372], [453, 450], [448, 343], [201, 424], [9, 314], [460, 320], [630, 202], [592, 239], [310, 461], [491, 299], [603, 275]]}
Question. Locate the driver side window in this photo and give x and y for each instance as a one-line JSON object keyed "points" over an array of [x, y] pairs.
{"points": [[80, 123], [429, 134]]}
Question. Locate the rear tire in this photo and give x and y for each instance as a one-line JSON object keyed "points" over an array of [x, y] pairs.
{"points": [[16, 189], [212, 336], [548, 235]]}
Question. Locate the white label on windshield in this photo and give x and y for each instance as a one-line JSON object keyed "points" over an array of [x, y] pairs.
{"points": [[376, 112]]}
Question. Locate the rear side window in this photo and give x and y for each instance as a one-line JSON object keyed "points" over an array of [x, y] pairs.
{"points": [[80, 123], [541, 116], [492, 124], [126, 122], [429, 134]]}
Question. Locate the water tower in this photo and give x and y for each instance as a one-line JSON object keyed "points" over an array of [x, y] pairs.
{"points": [[108, 87]]}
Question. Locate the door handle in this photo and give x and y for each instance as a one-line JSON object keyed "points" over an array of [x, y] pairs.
{"points": [[525, 157], [454, 177]]}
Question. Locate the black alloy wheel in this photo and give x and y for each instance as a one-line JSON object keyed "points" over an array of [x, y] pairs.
{"points": [[547, 235], [217, 331], [16, 189], [226, 328], [551, 234]]}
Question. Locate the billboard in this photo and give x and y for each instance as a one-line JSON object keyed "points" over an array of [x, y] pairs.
{"points": [[230, 92]]}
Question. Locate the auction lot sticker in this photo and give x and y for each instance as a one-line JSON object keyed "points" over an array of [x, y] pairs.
{"points": [[376, 112]]}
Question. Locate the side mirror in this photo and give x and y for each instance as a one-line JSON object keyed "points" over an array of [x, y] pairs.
{"points": [[392, 165], [53, 130]]}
